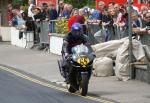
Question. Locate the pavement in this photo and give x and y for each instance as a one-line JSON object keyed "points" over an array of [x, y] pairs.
{"points": [[44, 65]]}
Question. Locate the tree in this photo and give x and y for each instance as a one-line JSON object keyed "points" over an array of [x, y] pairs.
{"points": [[3, 7], [81, 3], [20, 2]]}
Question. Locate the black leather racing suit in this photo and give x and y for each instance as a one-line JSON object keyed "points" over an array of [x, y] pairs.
{"points": [[70, 40]]}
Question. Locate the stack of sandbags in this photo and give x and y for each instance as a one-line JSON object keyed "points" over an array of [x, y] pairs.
{"points": [[118, 49]]}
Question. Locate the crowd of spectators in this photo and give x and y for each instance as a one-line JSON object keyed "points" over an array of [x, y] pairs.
{"points": [[111, 19]]}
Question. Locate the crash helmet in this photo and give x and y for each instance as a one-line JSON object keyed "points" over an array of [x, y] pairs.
{"points": [[76, 27]]}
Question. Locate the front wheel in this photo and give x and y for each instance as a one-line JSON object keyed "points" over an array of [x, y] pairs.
{"points": [[84, 85]]}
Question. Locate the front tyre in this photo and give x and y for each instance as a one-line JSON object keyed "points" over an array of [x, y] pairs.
{"points": [[84, 85]]}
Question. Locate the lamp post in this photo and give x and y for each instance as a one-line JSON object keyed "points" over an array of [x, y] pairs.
{"points": [[131, 68]]}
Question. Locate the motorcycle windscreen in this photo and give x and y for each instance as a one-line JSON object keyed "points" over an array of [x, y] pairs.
{"points": [[80, 49]]}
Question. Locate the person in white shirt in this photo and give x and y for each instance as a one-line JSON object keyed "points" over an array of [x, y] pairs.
{"points": [[31, 5]]}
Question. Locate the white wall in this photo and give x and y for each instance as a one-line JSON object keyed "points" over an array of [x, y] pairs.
{"points": [[5, 33], [56, 44], [25, 41]]}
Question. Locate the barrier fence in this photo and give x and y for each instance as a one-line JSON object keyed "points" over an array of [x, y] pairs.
{"points": [[96, 33]]}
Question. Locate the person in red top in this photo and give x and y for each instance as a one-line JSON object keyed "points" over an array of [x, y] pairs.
{"points": [[75, 18], [10, 14]]}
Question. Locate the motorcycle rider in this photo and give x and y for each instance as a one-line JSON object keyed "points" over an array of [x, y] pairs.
{"points": [[73, 38]]}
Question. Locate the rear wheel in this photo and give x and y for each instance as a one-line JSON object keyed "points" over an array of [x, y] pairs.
{"points": [[84, 85]]}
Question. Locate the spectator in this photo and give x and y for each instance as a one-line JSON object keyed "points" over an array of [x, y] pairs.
{"points": [[65, 12], [30, 20], [30, 24], [136, 23], [37, 18], [94, 14], [123, 23], [10, 14], [81, 12], [75, 18], [44, 13], [61, 8], [52, 16], [111, 5], [119, 14], [106, 23], [23, 13], [30, 13], [14, 20], [113, 24], [69, 9], [37, 14], [101, 5], [117, 7], [143, 11], [52, 12], [144, 32]]}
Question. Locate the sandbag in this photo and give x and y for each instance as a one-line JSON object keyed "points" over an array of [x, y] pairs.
{"points": [[138, 50], [122, 58], [103, 66], [108, 49], [122, 62], [147, 52]]}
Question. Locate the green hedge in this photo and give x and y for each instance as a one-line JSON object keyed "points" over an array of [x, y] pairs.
{"points": [[81, 3]]}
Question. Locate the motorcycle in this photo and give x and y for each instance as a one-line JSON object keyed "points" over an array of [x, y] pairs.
{"points": [[79, 69]]}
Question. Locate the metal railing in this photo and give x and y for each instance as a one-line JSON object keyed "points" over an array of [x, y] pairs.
{"points": [[43, 28]]}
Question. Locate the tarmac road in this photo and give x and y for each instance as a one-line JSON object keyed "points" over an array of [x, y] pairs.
{"points": [[15, 89]]}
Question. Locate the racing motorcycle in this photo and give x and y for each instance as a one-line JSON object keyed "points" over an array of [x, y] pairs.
{"points": [[79, 69]]}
